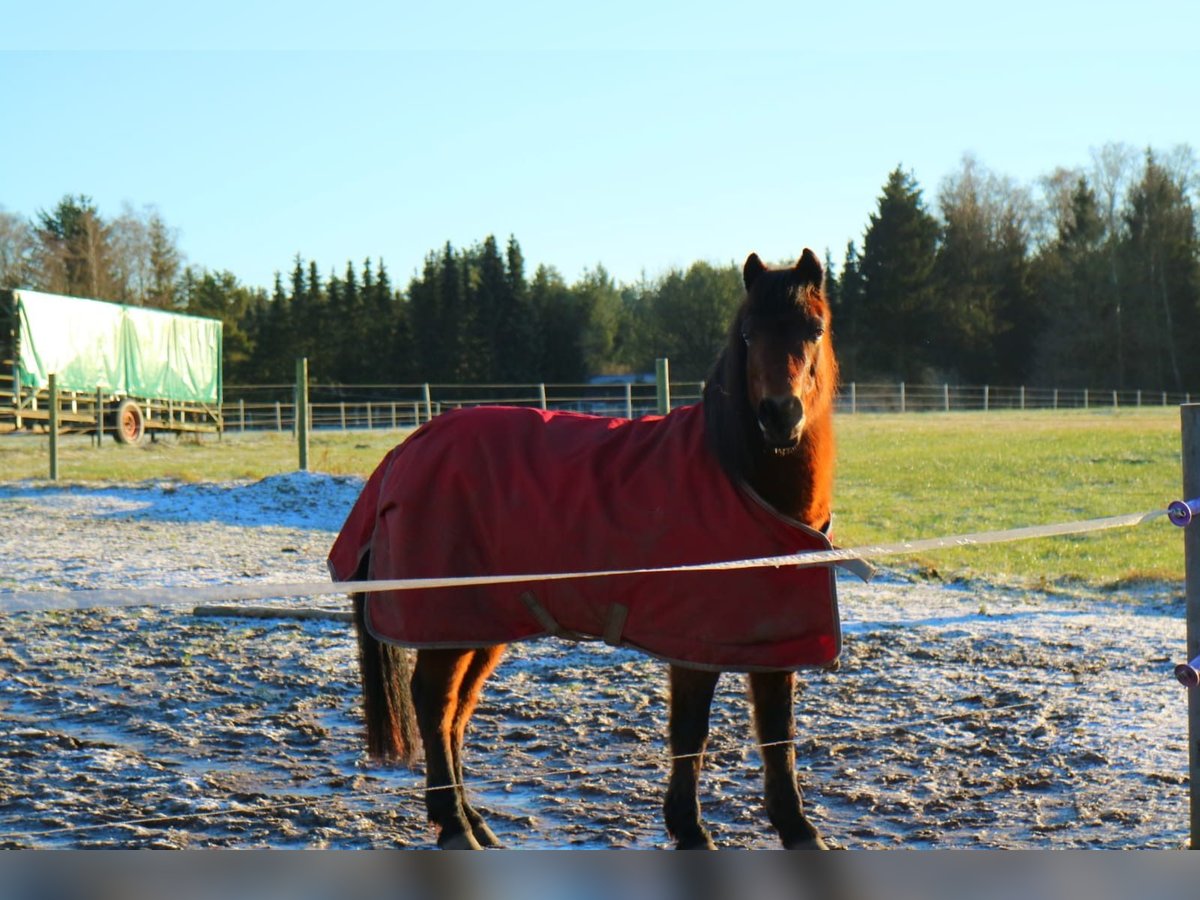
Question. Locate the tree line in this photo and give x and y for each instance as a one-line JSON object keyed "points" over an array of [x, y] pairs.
{"points": [[1088, 278]]}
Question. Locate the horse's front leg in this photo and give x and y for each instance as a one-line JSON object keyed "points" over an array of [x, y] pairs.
{"points": [[691, 699], [774, 722], [437, 679]]}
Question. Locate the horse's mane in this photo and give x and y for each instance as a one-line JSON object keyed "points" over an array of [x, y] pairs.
{"points": [[728, 419]]}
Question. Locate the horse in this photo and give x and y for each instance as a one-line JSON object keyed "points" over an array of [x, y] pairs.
{"points": [[767, 425]]}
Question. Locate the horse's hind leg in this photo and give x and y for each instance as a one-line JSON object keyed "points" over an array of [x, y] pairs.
{"points": [[483, 663], [774, 722], [437, 680], [691, 699]]}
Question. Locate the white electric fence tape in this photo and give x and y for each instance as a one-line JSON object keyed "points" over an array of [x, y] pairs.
{"points": [[852, 558]]}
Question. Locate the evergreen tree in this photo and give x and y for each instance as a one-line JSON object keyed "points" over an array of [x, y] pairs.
{"points": [[898, 311], [74, 249], [847, 310], [489, 311], [560, 325], [599, 309], [515, 338], [299, 317], [1161, 266], [425, 319], [1021, 316], [396, 359], [18, 249], [981, 276], [273, 358], [832, 282], [165, 259], [1069, 281], [454, 320], [345, 332], [378, 361], [325, 352], [219, 295]]}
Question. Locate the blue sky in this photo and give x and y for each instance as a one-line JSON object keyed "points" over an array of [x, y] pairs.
{"points": [[635, 135]]}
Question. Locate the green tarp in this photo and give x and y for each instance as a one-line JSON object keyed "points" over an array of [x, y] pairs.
{"points": [[126, 350]]}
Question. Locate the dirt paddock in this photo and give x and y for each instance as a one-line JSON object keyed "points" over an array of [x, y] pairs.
{"points": [[962, 716]]}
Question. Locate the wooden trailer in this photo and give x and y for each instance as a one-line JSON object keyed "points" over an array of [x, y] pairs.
{"points": [[125, 370]]}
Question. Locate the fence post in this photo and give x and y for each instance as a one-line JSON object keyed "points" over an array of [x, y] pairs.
{"points": [[1056, 398], [278, 416], [342, 411], [662, 379], [986, 397], [1085, 398], [629, 399], [393, 417], [1190, 421], [946, 396], [53, 427], [853, 397], [428, 398], [302, 410], [903, 402], [99, 416], [542, 395], [1022, 398], [241, 414]]}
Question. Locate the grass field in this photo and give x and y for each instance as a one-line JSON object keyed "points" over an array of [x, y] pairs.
{"points": [[899, 477], [927, 475]]}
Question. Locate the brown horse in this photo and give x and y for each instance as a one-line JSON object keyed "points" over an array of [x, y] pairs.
{"points": [[768, 422]]}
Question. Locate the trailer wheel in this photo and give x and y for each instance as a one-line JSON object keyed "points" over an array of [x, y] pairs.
{"points": [[130, 423]]}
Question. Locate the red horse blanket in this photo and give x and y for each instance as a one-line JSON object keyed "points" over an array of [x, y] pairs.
{"points": [[502, 490]]}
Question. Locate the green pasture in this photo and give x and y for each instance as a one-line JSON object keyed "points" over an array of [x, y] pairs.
{"points": [[927, 475], [899, 477]]}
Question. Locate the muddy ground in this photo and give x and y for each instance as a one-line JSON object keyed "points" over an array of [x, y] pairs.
{"points": [[962, 716]]}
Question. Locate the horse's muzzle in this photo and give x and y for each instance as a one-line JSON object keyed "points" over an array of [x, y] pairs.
{"points": [[780, 418]]}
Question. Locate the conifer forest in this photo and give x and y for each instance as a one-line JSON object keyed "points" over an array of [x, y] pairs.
{"points": [[1088, 277]]}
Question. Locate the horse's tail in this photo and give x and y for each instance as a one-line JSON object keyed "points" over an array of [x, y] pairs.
{"points": [[387, 694]]}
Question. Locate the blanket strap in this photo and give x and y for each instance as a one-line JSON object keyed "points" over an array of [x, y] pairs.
{"points": [[617, 614], [547, 621]]}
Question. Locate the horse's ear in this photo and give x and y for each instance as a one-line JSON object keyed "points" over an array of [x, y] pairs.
{"points": [[753, 268], [809, 268]]}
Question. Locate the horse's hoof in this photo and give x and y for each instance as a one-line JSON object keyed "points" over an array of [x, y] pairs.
{"points": [[704, 842], [464, 840], [485, 837]]}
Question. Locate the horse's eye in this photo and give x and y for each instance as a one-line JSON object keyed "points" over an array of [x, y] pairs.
{"points": [[746, 336]]}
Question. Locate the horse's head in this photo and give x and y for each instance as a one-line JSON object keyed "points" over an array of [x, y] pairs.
{"points": [[790, 369]]}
